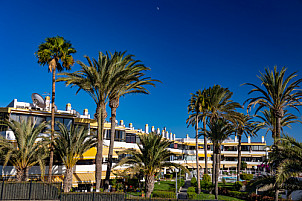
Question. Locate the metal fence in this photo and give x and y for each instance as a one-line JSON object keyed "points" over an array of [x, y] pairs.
{"points": [[29, 191]]}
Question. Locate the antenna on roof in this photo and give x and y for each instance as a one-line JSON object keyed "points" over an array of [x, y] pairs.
{"points": [[38, 100]]}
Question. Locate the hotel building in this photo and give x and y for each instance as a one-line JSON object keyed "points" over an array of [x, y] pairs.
{"points": [[126, 137]]}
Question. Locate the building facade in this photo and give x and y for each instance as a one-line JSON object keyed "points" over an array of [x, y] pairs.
{"points": [[126, 137]]}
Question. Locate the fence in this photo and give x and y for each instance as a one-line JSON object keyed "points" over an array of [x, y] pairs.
{"points": [[29, 191]]}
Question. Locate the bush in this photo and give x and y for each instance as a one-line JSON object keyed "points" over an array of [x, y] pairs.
{"points": [[237, 185], [238, 194], [194, 182], [206, 178], [191, 189], [163, 194], [245, 176], [191, 195], [168, 176]]}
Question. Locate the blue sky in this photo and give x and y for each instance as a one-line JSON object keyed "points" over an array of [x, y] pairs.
{"points": [[189, 45]]}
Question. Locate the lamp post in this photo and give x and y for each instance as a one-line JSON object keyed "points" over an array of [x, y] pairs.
{"points": [[176, 171]]}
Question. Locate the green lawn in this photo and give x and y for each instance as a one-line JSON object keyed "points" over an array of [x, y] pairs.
{"points": [[203, 196], [164, 186]]}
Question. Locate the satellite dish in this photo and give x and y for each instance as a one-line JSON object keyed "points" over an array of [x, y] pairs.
{"points": [[38, 100]]}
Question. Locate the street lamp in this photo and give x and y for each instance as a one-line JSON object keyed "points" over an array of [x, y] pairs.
{"points": [[176, 171]]}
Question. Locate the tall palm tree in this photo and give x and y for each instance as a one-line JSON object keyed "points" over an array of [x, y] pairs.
{"points": [[220, 105], [53, 51], [219, 130], [268, 121], [28, 149], [94, 79], [194, 110], [279, 92], [150, 159], [128, 78], [243, 126], [70, 145]]}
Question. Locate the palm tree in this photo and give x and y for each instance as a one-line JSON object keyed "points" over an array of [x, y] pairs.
{"points": [[70, 145], [150, 159], [268, 121], [219, 130], [220, 105], [128, 78], [194, 110], [50, 53], [95, 80], [243, 125], [28, 149], [279, 93], [286, 158]]}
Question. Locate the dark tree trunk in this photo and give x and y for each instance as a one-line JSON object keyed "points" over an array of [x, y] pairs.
{"points": [[149, 185], [101, 116], [239, 156], [67, 183], [113, 104], [213, 165], [197, 158], [52, 123], [205, 147], [217, 169], [276, 193]]}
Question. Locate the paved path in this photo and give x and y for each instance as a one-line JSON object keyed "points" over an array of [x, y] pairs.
{"points": [[183, 192]]}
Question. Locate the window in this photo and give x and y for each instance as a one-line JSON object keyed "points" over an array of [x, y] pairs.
{"points": [[119, 135]]}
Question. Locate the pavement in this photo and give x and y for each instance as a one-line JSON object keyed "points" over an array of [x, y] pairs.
{"points": [[183, 191]]}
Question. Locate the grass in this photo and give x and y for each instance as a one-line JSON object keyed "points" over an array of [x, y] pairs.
{"points": [[204, 196], [164, 186]]}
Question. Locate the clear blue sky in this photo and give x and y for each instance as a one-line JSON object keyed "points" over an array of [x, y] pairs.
{"points": [[189, 45]]}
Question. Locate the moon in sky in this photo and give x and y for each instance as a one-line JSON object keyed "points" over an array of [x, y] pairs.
{"points": [[157, 8]]}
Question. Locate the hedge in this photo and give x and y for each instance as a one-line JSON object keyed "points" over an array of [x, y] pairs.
{"points": [[191, 189], [191, 195], [245, 176], [163, 194]]}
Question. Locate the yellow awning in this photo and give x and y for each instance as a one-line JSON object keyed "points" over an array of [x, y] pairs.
{"points": [[202, 155], [90, 154], [83, 178]]}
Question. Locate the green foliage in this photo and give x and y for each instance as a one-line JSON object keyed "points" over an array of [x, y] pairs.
{"points": [[163, 194], [243, 165], [191, 195], [191, 189], [168, 176], [223, 181], [194, 182], [238, 194], [245, 176], [238, 185], [206, 178]]}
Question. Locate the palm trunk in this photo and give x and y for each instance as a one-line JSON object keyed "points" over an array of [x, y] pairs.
{"points": [[197, 158], [278, 128], [276, 193], [26, 174], [67, 183], [213, 165], [20, 174], [101, 116], [205, 147], [239, 157], [149, 185], [52, 123], [217, 168], [114, 103]]}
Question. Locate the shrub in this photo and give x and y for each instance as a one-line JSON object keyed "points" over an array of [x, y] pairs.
{"points": [[237, 185], [194, 182], [191, 189], [168, 176], [223, 181], [206, 178], [238, 194], [245, 176], [163, 194], [191, 195]]}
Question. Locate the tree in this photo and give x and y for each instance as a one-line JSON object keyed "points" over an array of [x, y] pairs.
{"points": [[279, 93], [28, 150], [286, 159], [268, 121], [128, 77], [94, 79], [220, 105], [194, 110], [150, 159], [219, 130], [243, 125], [70, 145], [50, 53]]}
